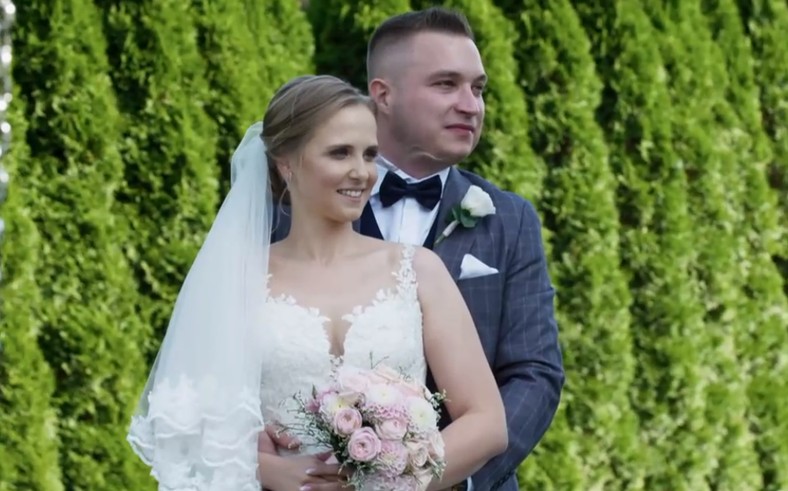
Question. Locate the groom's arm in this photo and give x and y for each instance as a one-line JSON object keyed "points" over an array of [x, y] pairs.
{"points": [[528, 363]]}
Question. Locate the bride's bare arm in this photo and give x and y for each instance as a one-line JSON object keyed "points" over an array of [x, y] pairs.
{"points": [[458, 364]]}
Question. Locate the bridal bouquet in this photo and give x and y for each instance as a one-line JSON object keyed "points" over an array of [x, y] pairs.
{"points": [[381, 425]]}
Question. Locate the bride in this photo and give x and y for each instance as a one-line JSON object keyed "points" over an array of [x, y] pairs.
{"points": [[256, 323]]}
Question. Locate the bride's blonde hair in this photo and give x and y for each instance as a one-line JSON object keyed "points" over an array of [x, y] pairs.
{"points": [[295, 111]]}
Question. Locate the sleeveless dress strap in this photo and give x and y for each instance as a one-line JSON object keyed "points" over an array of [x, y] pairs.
{"points": [[406, 276]]}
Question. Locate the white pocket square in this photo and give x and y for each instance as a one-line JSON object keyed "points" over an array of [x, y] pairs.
{"points": [[473, 268]]}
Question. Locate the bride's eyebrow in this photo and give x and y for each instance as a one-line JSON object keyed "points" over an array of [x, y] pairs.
{"points": [[338, 146]]}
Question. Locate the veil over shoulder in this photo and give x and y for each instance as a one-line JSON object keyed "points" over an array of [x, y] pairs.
{"points": [[197, 421]]}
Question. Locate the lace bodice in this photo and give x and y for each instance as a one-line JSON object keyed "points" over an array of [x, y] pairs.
{"points": [[297, 350]]}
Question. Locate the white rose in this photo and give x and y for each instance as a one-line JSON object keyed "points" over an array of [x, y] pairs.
{"points": [[477, 202], [422, 415]]}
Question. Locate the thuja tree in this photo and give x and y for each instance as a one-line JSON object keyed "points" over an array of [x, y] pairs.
{"points": [[562, 91], [231, 57], [285, 46], [28, 423], [762, 333], [250, 49], [341, 31], [657, 246], [766, 22], [697, 80], [89, 330], [169, 191]]}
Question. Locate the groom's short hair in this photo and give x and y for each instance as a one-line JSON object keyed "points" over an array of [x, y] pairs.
{"points": [[403, 26]]}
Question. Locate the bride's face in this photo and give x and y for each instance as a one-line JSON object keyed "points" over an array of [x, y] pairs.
{"points": [[336, 171]]}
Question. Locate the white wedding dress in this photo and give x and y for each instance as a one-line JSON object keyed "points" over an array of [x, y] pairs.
{"points": [[297, 354]]}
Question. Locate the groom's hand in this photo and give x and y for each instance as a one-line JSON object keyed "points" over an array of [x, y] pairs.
{"points": [[275, 436]]}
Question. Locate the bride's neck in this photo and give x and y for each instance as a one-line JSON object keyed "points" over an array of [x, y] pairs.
{"points": [[315, 239]]}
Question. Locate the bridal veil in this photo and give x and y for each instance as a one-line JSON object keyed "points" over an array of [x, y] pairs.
{"points": [[197, 421]]}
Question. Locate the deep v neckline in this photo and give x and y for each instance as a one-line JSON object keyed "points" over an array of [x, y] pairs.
{"points": [[382, 295], [405, 278]]}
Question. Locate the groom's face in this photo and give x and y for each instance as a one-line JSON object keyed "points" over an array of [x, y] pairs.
{"points": [[438, 104]]}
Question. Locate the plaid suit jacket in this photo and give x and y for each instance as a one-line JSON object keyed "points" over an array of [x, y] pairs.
{"points": [[513, 312]]}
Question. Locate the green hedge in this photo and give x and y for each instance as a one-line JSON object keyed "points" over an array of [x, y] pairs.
{"points": [[651, 136], [90, 331], [766, 22], [341, 29], [710, 156], [761, 328], [28, 422], [243, 47], [168, 143], [578, 205], [658, 245]]}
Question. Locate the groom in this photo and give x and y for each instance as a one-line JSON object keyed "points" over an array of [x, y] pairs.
{"points": [[426, 75]]}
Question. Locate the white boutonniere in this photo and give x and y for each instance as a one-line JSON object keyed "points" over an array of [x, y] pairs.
{"points": [[475, 205]]}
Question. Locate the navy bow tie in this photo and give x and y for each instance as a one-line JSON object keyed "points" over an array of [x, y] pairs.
{"points": [[427, 193]]}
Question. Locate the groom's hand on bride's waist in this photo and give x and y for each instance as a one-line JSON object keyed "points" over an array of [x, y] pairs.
{"points": [[275, 436]]}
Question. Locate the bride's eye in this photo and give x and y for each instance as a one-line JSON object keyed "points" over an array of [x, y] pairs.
{"points": [[371, 153], [339, 152]]}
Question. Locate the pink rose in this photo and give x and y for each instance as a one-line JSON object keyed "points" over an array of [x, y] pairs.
{"points": [[351, 379], [313, 406], [364, 445], [418, 453], [392, 428], [347, 420], [393, 458]]}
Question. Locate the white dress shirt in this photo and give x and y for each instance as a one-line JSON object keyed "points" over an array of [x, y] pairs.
{"points": [[406, 221]]}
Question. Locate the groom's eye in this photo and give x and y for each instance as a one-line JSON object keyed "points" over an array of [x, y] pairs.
{"points": [[371, 153]]}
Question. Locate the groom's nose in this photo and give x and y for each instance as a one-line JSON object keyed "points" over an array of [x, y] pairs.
{"points": [[467, 102]]}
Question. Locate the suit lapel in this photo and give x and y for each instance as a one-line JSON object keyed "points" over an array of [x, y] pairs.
{"points": [[454, 247], [367, 224]]}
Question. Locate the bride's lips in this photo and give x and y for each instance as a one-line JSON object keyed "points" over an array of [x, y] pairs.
{"points": [[354, 194]]}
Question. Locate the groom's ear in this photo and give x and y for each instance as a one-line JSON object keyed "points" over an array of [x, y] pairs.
{"points": [[380, 92]]}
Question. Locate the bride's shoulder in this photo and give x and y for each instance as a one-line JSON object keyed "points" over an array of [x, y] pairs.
{"points": [[423, 260], [427, 264]]}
